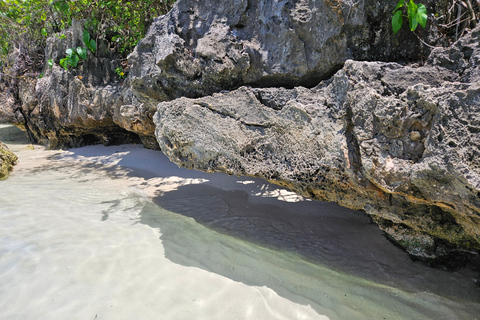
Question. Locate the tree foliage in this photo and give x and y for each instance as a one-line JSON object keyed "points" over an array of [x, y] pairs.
{"points": [[121, 22]]}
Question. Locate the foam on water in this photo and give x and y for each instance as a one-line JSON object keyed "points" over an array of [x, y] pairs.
{"points": [[80, 238]]}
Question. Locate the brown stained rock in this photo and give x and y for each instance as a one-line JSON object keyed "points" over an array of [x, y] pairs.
{"points": [[7, 160]]}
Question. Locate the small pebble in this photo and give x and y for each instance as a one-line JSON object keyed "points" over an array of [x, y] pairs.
{"points": [[415, 135]]}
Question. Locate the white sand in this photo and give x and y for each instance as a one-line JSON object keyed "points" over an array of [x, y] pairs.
{"points": [[80, 240]]}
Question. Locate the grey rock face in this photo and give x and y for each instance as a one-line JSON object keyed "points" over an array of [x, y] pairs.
{"points": [[195, 50], [419, 147], [204, 47], [71, 114], [400, 143], [75, 107], [462, 57]]}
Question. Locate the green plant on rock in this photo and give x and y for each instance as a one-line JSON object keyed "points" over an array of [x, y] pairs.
{"points": [[120, 73], [73, 57], [416, 14], [90, 43]]}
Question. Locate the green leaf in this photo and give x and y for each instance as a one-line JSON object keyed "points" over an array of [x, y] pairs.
{"points": [[64, 63], [413, 22], [82, 53], [44, 32], [399, 5], [397, 21], [86, 36], [90, 43], [422, 15], [411, 10], [50, 63], [74, 60], [93, 45], [69, 52]]}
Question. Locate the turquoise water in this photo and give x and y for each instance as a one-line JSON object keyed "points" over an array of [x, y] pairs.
{"points": [[82, 238]]}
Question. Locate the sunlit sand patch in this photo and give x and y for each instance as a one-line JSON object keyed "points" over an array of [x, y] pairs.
{"points": [[246, 182], [282, 195]]}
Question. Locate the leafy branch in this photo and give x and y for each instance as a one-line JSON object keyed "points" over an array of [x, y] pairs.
{"points": [[416, 14]]}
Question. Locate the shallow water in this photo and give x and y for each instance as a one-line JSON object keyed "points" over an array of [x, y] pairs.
{"points": [[121, 233]]}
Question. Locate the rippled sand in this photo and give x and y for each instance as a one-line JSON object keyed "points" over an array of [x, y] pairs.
{"points": [[121, 233]]}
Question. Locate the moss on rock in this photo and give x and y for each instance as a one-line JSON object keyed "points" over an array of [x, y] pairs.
{"points": [[7, 161]]}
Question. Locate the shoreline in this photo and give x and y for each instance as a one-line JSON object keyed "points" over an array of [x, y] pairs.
{"points": [[256, 211]]}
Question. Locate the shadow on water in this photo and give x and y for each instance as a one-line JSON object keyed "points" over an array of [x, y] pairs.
{"points": [[12, 135], [253, 210], [342, 239], [335, 294]]}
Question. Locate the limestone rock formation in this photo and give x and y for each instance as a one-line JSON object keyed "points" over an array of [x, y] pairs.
{"points": [[401, 143], [203, 47], [7, 160], [75, 107], [197, 49]]}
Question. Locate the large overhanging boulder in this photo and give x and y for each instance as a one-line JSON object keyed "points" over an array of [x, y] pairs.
{"points": [[401, 143]]}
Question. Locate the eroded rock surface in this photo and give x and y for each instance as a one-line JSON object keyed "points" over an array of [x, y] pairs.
{"points": [[195, 50], [203, 47], [75, 107], [401, 143]]}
